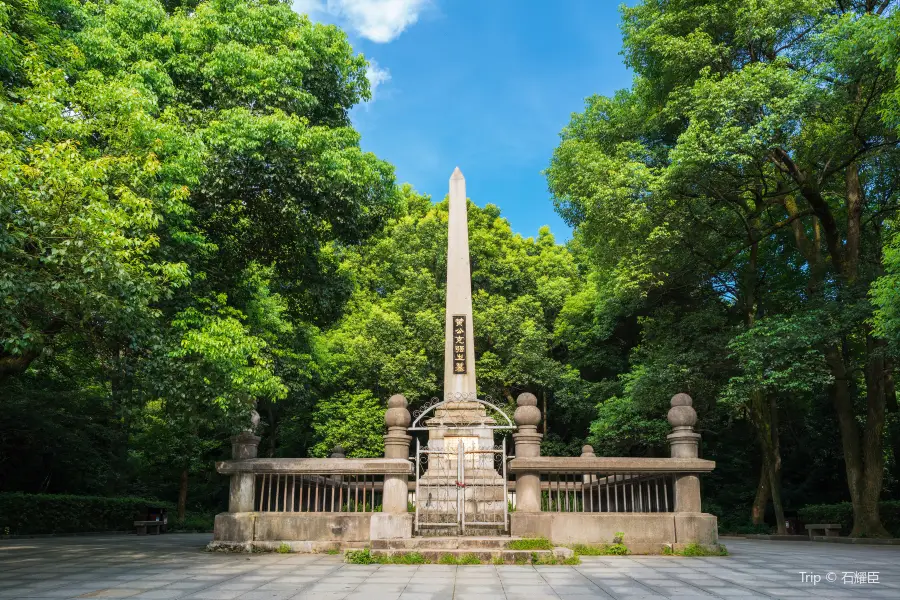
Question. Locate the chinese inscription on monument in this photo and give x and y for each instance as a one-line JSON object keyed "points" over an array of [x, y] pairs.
{"points": [[459, 343]]}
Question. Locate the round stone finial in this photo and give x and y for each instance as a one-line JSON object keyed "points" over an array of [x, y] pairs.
{"points": [[338, 452], [527, 414], [587, 450], [682, 416], [526, 399], [681, 400], [397, 415], [397, 401]]}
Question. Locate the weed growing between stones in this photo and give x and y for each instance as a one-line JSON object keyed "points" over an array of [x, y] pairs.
{"points": [[694, 549], [530, 544], [601, 550], [284, 548], [549, 559]]}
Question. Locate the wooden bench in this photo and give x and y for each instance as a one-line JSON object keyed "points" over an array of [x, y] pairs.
{"points": [[829, 529]]}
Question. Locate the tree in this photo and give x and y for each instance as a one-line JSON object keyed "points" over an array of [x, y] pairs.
{"points": [[752, 130]]}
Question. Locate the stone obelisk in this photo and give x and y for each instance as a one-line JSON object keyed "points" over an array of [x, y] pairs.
{"points": [[461, 427], [459, 339]]}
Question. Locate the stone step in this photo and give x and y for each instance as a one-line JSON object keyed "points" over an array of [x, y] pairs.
{"points": [[483, 555], [444, 543]]}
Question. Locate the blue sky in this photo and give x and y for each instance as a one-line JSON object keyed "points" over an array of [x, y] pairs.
{"points": [[484, 85]]}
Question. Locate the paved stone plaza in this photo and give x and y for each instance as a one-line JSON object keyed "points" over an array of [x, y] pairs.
{"points": [[174, 566]]}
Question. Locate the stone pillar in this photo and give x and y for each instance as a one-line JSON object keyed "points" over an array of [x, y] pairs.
{"points": [[396, 445], [528, 444], [394, 521], [243, 483], [684, 443]]}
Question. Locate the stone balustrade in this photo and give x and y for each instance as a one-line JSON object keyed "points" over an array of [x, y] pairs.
{"points": [[588, 499]]}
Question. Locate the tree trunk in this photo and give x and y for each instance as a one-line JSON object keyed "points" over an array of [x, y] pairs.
{"points": [[763, 493], [864, 485], [545, 413], [774, 462], [763, 409], [764, 416], [182, 495]]}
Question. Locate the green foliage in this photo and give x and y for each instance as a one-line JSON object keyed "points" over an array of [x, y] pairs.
{"points": [[195, 522], [353, 420], [694, 549], [530, 544], [27, 514], [843, 513], [284, 548], [407, 558], [447, 559], [469, 559], [359, 557]]}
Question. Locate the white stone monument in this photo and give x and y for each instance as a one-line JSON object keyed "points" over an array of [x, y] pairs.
{"points": [[462, 421]]}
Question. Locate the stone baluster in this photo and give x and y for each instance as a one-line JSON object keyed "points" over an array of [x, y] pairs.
{"points": [[396, 445], [684, 443], [528, 444], [243, 483]]}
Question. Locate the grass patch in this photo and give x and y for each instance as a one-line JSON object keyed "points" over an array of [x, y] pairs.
{"points": [[698, 550], [469, 559], [365, 557], [447, 559], [601, 550], [405, 558], [284, 548], [333, 551], [530, 544]]}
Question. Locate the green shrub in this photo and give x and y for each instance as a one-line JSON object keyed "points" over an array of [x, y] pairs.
{"points": [[617, 549], [284, 548], [530, 544], [360, 557], [199, 522], [843, 513], [26, 514]]}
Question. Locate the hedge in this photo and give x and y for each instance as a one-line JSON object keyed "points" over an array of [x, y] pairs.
{"points": [[25, 514], [843, 513]]}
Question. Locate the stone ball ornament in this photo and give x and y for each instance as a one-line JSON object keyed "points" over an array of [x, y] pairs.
{"points": [[397, 415], [527, 414], [681, 399], [587, 450], [682, 414]]}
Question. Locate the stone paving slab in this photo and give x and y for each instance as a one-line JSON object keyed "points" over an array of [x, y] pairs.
{"points": [[174, 566]]}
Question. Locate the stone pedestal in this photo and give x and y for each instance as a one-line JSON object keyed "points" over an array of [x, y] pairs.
{"points": [[394, 522], [684, 443]]}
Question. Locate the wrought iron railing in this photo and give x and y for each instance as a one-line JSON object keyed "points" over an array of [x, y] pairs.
{"points": [[590, 484]]}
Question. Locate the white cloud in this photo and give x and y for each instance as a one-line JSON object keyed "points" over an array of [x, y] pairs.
{"points": [[376, 76], [377, 20]]}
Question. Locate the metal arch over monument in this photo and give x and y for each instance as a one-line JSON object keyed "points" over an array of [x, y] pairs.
{"points": [[461, 473]]}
